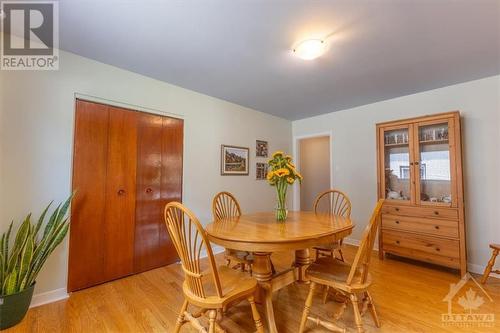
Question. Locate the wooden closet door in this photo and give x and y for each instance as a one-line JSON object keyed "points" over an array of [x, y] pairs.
{"points": [[149, 204], [86, 264], [103, 211], [159, 181], [171, 178], [119, 226]]}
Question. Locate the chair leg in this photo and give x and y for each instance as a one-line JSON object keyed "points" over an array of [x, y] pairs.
{"points": [[357, 314], [256, 316], [371, 307], [489, 267], [180, 319], [228, 262], [250, 269], [307, 307], [212, 315], [325, 294], [341, 255]]}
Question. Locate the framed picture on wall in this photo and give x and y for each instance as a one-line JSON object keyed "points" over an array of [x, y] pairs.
{"points": [[261, 148], [234, 160], [261, 171]]}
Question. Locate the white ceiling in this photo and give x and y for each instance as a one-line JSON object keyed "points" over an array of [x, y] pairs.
{"points": [[239, 50]]}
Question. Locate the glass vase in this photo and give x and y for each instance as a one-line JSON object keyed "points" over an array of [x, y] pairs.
{"points": [[281, 210], [281, 213]]}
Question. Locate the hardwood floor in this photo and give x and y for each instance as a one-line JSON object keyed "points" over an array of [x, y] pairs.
{"points": [[408, 298]]}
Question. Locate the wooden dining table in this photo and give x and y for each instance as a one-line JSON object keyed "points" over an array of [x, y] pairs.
{"points": [[261, 234]]}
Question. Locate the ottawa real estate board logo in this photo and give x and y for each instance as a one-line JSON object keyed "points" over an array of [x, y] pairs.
{"points": [[30, 35], [470, 296]]}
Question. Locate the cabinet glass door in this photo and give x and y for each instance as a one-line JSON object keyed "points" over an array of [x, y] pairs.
{"points": [[433, 161], [397, 172]]}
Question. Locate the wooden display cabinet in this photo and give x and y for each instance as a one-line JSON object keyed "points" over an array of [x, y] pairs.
{"points": [[420, 176]]}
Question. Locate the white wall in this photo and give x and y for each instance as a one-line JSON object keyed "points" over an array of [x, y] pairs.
{"points": [[354, 153], [37, 114]]}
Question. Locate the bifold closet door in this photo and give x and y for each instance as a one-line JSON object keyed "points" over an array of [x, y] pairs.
{"points": [[127, 166], [90, 154], [103, 210], [119, 226], [159, 181]]}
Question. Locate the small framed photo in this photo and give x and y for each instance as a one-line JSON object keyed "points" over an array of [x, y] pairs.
{"points": [[261, 148], [261, 171], [234, 160]]}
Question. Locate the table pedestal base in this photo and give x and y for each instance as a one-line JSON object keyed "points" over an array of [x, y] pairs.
{"points": [[269, 283]]}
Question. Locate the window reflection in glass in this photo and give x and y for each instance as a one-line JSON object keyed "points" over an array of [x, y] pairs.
{"points": [[397, 165], [435, 182]]}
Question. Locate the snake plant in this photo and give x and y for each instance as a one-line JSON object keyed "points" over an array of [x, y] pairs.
{"points": [[21, 262]]}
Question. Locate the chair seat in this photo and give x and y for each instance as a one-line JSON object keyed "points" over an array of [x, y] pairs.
{"points": [[235, 285], [328, 247], [333, 272], [495, 246]]}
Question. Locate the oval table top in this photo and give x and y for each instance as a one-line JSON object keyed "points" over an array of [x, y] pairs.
{"points": [[260, 232]]}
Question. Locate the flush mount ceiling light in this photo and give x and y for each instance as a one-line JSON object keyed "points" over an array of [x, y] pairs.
{"points": [[310, 49]]}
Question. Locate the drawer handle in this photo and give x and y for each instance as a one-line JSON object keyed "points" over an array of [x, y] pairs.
{"points": [[121, 192], [149, 190], [437, 227], [436, 212], [397, 222], [438, 249], [397, 209], [397, 242]]}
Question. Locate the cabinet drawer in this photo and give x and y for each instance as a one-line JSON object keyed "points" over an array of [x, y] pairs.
{"points": [[427, 244], [430, 212], [442, 228], [423, 256]]}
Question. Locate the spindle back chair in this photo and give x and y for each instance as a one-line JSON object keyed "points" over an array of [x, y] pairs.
{"points": [[212, 290], [225, 205], [349, 280]]}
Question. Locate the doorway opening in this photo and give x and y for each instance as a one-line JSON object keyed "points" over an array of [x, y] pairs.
{"points": [[314, 162]]}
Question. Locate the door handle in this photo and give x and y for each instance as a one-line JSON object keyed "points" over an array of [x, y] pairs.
{"points": [[121, 192]]}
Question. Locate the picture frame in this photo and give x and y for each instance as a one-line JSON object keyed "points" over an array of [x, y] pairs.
{"points": [[235, 161], [261, 148], [261, 170]]}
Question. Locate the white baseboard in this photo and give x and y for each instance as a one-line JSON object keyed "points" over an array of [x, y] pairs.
{"points": [[216, 249], [479, 269], [355, 242], [49, 297]]}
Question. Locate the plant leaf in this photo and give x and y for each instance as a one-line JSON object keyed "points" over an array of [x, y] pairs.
{"points": [[40, 220], [49, 247], [2, 271], [52, 220], [23, 232], [25, 264], [9, 286]]}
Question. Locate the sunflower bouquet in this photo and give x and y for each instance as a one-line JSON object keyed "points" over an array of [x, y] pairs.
{"points": [[282, 172]]}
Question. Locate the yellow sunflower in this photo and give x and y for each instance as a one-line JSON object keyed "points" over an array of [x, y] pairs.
{"points": [[290, 180], [282, 172], [278, 153]]}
